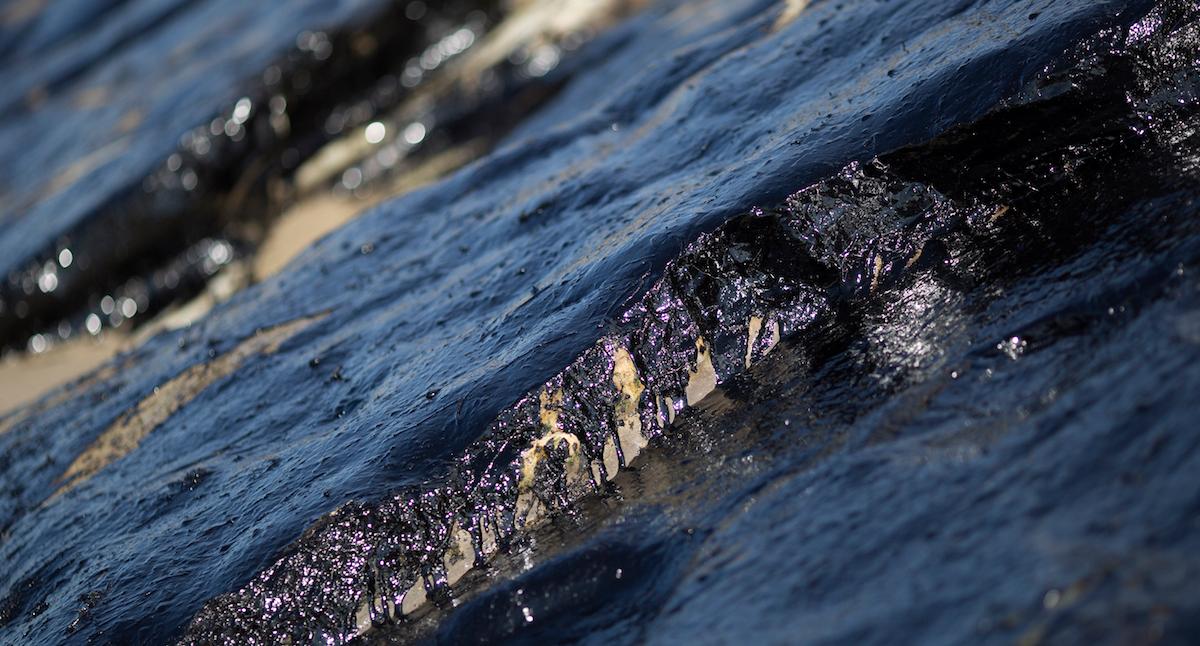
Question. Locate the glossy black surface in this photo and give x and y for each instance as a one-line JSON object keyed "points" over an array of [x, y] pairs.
{"points": [[983, 397]]}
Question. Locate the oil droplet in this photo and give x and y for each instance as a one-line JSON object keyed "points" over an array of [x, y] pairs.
{"points": [[37, 344], [241, 111], [375, 132], [414, 133]]}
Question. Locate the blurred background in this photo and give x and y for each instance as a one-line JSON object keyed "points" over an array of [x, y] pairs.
{"points": [[157, 156]]}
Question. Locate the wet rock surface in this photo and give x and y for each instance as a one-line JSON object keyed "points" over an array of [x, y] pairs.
{"points": [[131, 221], [102, 97], [577, 391]]}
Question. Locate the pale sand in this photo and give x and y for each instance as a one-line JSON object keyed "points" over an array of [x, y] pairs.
{"points": [[25, 378], [299, 227]]}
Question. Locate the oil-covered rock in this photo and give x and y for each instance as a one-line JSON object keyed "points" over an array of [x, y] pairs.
{"points": [[935, 387]]}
